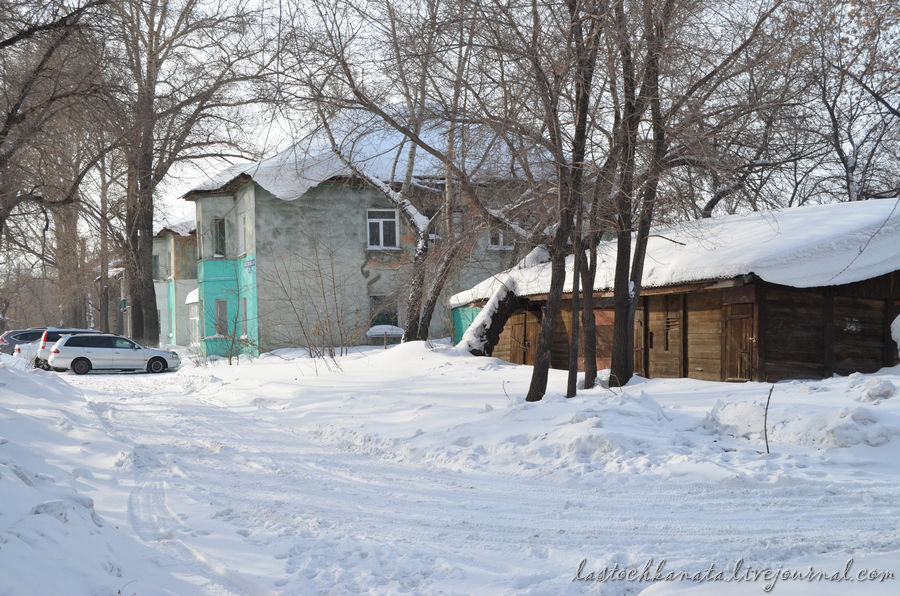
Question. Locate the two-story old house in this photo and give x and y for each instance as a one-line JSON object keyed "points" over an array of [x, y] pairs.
{"points": [[297, 250]]}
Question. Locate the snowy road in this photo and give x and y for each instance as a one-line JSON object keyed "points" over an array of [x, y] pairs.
{"points": [[259, 505]]}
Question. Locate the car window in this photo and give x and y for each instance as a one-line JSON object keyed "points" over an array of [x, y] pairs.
{"points": [[30, 336], [123, 343], [75, 342], [53, 336], [97, 342]]}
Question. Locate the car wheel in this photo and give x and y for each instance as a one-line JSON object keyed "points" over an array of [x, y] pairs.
{"points": [[81, 366], [157, 365]]}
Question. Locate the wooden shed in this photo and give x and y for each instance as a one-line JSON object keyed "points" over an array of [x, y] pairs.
{"points": [[800, 293]]}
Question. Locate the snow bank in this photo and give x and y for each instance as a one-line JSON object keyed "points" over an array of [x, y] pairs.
{"points": [[420, 470], [52, 539]]}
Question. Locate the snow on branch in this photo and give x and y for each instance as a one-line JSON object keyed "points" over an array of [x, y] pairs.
{"points": [[418, 221]]}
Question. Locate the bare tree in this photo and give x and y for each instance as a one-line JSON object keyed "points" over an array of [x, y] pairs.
{"points": [[392, 62], [50, 70], [187, 80], [849, 51]]}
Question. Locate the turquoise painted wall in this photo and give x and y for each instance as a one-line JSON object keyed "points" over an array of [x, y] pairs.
{"points": [[462, 318], [229, 280]]}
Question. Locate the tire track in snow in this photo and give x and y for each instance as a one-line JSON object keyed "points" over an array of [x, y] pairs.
{"points": [[157, 525], [318, 490]]}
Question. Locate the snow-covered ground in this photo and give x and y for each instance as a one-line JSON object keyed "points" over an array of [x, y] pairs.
{"points": [[417, 470]]}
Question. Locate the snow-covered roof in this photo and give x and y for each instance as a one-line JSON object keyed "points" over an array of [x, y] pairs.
{"points": [[184, 227], [803, 247], [193, 296], [370, 145]]}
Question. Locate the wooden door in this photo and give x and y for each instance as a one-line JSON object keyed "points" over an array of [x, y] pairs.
{"points": [[740, 344], [523, 327]]}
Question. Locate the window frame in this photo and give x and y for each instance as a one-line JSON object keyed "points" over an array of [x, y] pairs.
{"points": [[221, 324], [380, 222], [219, 238], [242, 234], [501, 243], [383, 311], [243, 316]]}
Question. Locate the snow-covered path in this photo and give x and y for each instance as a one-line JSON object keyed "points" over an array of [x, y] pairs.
{"points": [[258, 502]]}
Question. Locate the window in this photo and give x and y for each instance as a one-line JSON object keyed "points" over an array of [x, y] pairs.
{"points": [[381, 312], [96, 342], [221, 317], [218, 231], [201, 320], [383, 228], [243, 317], [195, 323], [120, 343], [242, 234], [500, 239], [77, 342], [155, 267]]}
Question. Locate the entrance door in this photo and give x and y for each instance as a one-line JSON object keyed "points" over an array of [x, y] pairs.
{"points": [[523, 330], [740, 345]]}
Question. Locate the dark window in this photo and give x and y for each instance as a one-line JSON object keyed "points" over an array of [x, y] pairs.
{"points": [[221, 317], [219, 237], [29, 336], [96, 342], [500, 239], [76, 342], [382, 228], [382, 312], [156, 267]]}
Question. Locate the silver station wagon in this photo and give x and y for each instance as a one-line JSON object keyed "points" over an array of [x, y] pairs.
{"points": [[84, 353]]}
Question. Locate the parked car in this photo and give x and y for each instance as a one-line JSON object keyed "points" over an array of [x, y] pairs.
{"points": [[27, 351], [86, 352], [50, 336], [10, 339]]}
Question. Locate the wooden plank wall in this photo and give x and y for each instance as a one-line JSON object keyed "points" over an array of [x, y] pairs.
{"points": [[803, 333], [794, 334], [704, 336], [859, 335]]}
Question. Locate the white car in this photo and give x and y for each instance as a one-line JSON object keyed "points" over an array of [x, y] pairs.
{"points": [[27, 351], [83, 353], [50, 337]]}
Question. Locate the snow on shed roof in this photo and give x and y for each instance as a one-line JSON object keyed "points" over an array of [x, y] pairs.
{"points": [[182, 228], [803, 247], [372, 146]]}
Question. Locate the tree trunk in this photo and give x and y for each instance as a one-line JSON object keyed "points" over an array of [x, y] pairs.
{"points": [[541, 371], [572, 380], [434, 291]]}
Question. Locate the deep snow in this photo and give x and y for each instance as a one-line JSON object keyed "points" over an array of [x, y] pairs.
{"points": [[419, 470]]}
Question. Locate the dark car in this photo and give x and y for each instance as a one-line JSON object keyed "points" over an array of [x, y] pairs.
{"points": [[10, 339]]}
